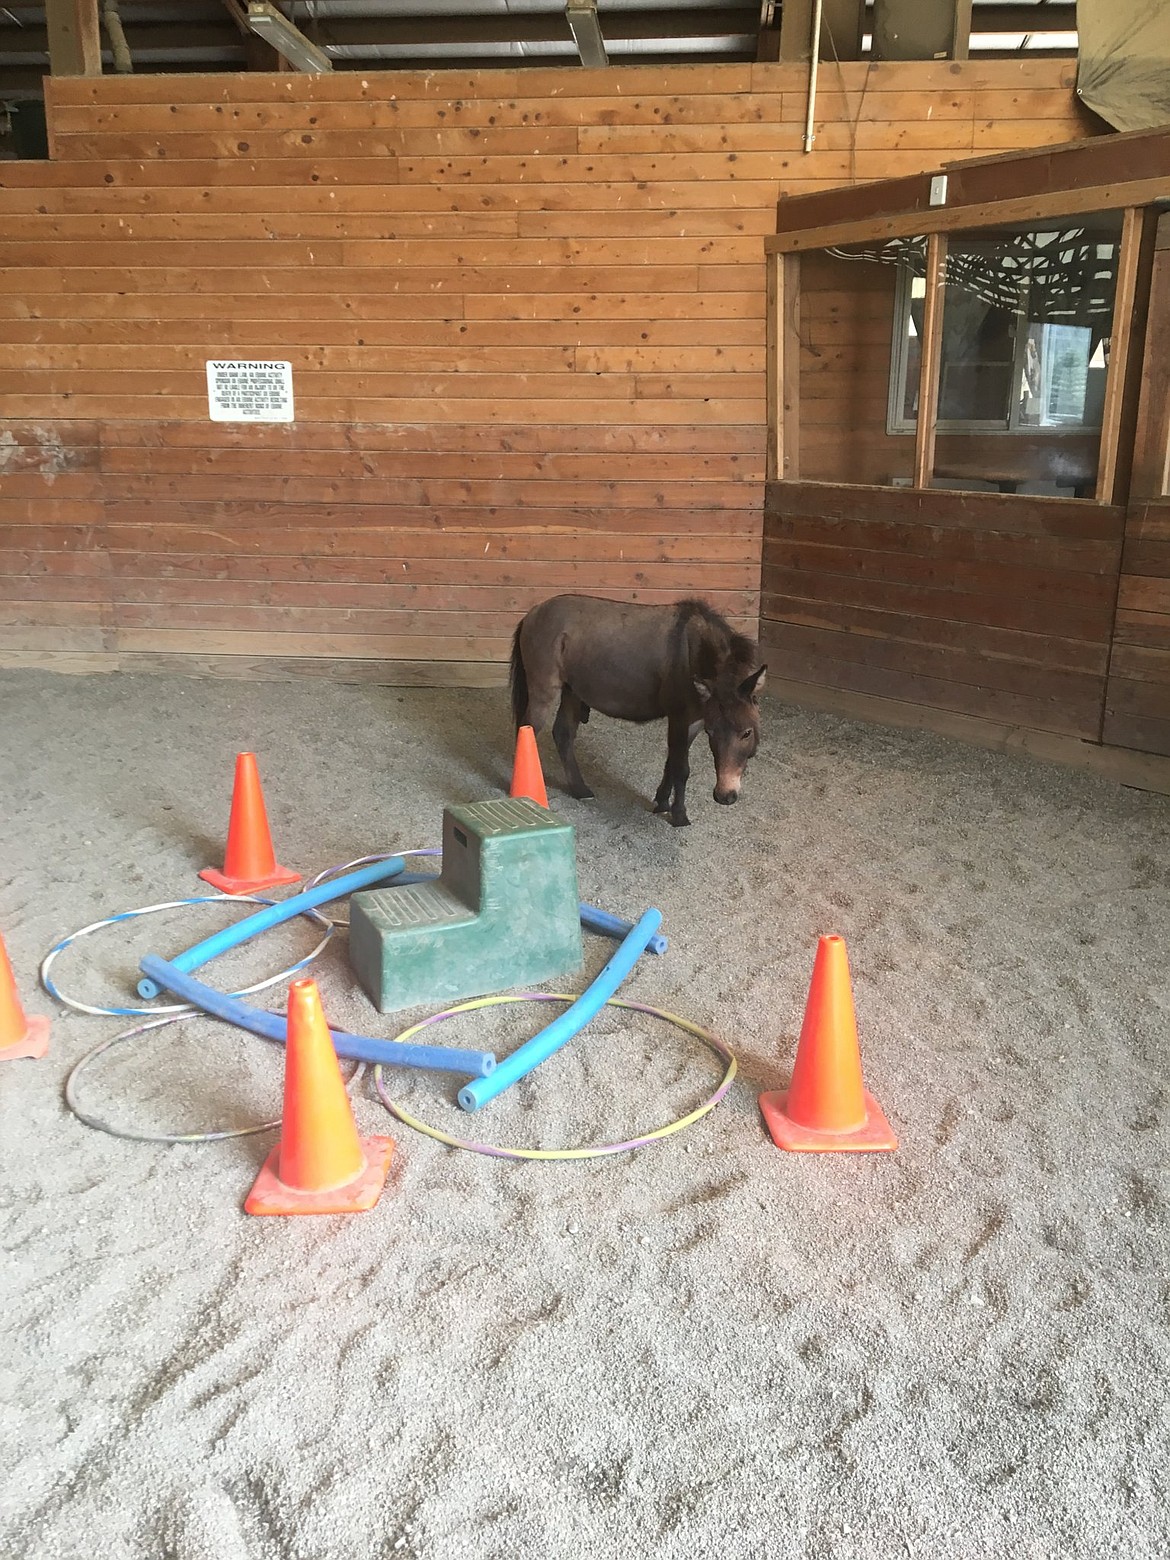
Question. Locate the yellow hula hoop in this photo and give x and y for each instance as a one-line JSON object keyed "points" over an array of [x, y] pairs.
{"points": [[598, 1150]]}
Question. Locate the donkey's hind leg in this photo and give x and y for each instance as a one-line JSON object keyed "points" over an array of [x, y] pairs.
{"points": [[542, 700], [569, 717]]}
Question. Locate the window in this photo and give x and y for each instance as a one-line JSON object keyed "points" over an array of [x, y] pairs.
{"points": [[1025, 329], [1024, 351]]}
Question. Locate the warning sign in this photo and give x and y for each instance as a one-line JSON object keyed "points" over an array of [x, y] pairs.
{"points": [[249, 392]]}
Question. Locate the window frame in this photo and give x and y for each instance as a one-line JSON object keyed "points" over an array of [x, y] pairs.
{"points": [[898, 424]]}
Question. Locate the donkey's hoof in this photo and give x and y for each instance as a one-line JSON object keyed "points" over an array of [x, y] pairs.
{"points": [[680, 821], [582, 793]]}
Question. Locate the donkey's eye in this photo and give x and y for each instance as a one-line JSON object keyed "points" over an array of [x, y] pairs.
{"points": [[746, 736]]}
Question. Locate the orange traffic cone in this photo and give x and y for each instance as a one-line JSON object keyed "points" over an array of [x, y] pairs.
{"points": [[527, 775], [249, 862], [825, 1107], [320, 1165], [20, 1035]]}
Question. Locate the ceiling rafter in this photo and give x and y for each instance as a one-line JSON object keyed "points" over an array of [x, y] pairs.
{"points": [[182, 35]]}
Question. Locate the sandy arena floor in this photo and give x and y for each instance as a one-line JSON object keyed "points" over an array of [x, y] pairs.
{"points": [[705, 1348]]}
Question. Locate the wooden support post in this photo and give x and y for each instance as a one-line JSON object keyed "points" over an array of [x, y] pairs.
{"points": [[921, 29], [774, 456], [1151, 458], [259, 55], [783, 368], [961, 39], [796, 32], [790, 368], [75, 45], [1129, 308], [768, 44], [930, 361], [841, 30]]}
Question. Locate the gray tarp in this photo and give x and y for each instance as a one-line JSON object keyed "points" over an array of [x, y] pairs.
{"points": [[1124, 69]]}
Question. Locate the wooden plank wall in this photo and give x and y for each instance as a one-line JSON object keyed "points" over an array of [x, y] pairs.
{"points": [[1137, 712], [526, 316], [846, 349], [1137, 706], [993, 606], [846, 328]]}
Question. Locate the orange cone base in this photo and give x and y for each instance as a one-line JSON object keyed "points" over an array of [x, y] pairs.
{"points": [[271, 1195], [874, 1136], [231, 885], [32, 1044]]}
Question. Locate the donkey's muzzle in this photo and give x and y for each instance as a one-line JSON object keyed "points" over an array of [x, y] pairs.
{"points": [[725, 798]]}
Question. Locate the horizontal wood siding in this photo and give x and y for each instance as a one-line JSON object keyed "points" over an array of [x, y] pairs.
{"points": [[1137, 709], [993, 606], [526, 316], [846, 331]]}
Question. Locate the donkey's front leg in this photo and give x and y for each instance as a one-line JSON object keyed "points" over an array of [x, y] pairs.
{"points": [[676, 773]]}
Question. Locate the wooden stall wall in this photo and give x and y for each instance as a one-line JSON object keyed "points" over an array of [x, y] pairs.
{"points": [[846, 330], [991, 606], [1137, 712], [846, 348], [526, 316], [1137, 706]]}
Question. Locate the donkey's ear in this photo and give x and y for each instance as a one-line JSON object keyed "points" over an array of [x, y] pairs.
{"points": [[704, 690], [752, 685]]}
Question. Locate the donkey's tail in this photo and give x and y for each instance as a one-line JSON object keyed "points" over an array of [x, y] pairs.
{"points": [[519, 681]]}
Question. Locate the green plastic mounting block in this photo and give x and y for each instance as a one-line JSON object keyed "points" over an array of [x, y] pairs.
{"points": [[503, 913]]}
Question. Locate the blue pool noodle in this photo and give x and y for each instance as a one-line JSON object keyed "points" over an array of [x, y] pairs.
{"points": [[362, 1048], [274, 915], [595, 920], [562, 1029]]}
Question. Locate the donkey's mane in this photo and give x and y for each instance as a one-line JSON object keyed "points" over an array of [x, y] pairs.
{"points": [[740, 651]]}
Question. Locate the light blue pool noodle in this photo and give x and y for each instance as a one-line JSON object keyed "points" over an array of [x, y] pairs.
{"points": [[521, 1062], [595, 920], [274, 915], [362, 1048]]}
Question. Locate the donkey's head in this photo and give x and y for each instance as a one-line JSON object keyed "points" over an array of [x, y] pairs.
{"points": [[731, 716]]}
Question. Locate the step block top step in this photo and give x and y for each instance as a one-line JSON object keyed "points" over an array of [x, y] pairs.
{"points": [[503, 913], [506, 815]]}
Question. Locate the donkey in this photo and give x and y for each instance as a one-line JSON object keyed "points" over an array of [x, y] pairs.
{"points": [[640, 663]]}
